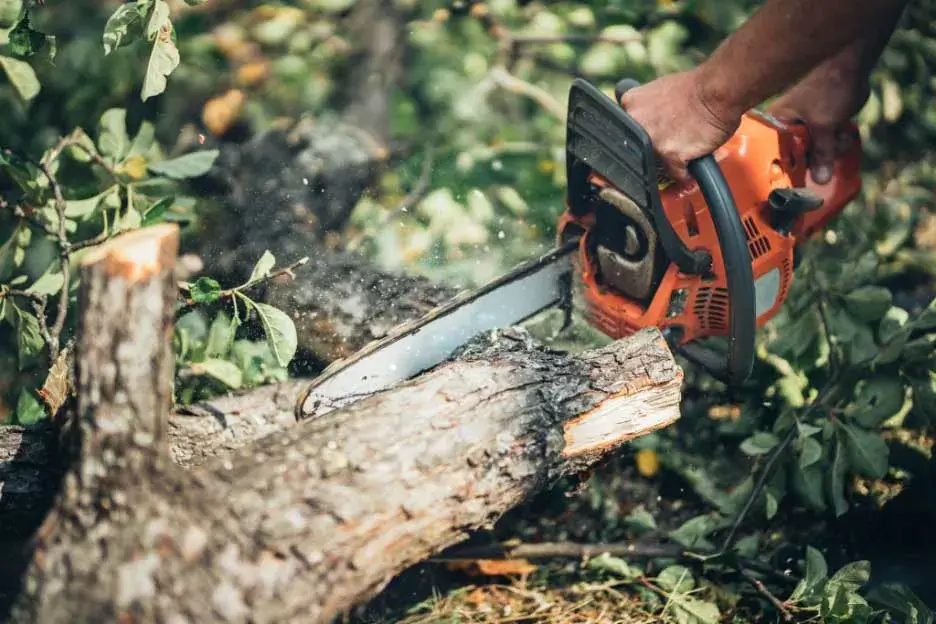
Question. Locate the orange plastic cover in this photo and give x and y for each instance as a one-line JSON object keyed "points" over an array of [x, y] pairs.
{"points": [[763, 155]]}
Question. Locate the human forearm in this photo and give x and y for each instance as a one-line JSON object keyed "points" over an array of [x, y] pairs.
{"points": [[786, 39]]}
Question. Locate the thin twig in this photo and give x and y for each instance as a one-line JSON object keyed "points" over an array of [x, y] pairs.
{"points": [[97, 240], [231, 292], [508, 81], [64, 251], [574, 550], [766, 593], [74, 139]]}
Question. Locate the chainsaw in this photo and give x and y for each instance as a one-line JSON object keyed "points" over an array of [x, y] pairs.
{"points": [[711, 257]]}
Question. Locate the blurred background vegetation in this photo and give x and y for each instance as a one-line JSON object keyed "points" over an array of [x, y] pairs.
{"points": [[474, 183]]}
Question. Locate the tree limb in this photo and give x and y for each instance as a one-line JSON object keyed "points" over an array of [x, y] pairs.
{"points": [[310, 521]]}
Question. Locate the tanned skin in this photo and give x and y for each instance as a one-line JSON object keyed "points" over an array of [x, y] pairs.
{"points": [[824, 48]]}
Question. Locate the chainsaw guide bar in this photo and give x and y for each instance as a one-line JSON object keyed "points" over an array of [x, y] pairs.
{"points": [[415, 347]]}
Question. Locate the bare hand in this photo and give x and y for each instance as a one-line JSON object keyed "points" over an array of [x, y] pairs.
{"points": [[825, 100], [682, 125]]}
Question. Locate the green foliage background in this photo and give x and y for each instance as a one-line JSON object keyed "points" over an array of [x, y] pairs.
{"points": [[845, 373]]}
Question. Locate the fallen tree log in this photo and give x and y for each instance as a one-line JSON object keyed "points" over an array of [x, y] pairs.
{"points": [[310, 521]]}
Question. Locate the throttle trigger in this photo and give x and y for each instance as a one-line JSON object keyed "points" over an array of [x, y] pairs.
{"points": [[788, 204]]}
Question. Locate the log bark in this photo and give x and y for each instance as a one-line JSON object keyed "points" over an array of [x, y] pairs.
{"points": [[307, 522], [338, 303]]}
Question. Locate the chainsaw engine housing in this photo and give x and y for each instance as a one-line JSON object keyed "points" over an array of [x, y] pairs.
{"points": [[624, 275]]}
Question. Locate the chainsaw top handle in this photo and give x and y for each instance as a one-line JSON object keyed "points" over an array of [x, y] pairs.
{"points": [[737, 365]]}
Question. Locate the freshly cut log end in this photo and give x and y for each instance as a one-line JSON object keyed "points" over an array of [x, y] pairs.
{"points": [[137, 255], [644, 397]]}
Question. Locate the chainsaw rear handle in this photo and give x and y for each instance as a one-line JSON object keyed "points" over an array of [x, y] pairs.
{"points": [[737, 365]]}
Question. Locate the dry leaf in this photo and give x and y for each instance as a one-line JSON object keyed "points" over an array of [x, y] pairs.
{"points": [[221, 112], [59, 384], [253, 73], [648, 462], [492, 567], [722, 412], [134, 167]]}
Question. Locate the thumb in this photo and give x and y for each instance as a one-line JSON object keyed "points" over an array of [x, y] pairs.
{"points": [[823, 152]]}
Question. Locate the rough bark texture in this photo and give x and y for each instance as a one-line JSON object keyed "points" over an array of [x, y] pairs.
{"points": [[338, 303], [308, 522]]}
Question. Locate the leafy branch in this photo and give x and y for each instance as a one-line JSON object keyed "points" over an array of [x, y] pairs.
{"points": [[207, 353]]}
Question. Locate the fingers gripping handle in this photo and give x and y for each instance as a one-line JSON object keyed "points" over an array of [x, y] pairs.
{"points": [[736, 366]]}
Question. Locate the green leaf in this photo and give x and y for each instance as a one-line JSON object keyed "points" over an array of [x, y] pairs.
{"points": [[84, 208], [28, 338], [807, 483], [924, 396], [841, 605], [691, 610], [48, 283], [798, 335], [266, 262], [879, 398], [143, 141], [221, 335], [676, 578], [898, 600], [24, 40], [29, 409], [759, 443], [855, 336], [10, 13], [113, 141], [919, 349], [224, 371], [131, 219], [810, 453], [614, 565], [926, 320], [770, 504], [692, 532], [893, 324], [640, 519], [205, 290], [867, 452], [852, 576], [164, 57], [868, 303], [187, 166], [119, 25], [22, 76], [280, 332], [156, 212], [806, 430], [11, 252], [816, 573]]}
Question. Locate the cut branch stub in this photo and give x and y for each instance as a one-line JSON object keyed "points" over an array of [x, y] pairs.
{"points": [[125, 366]]}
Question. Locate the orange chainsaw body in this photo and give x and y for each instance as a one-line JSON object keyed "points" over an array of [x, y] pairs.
{"points": [[762, 156]]}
